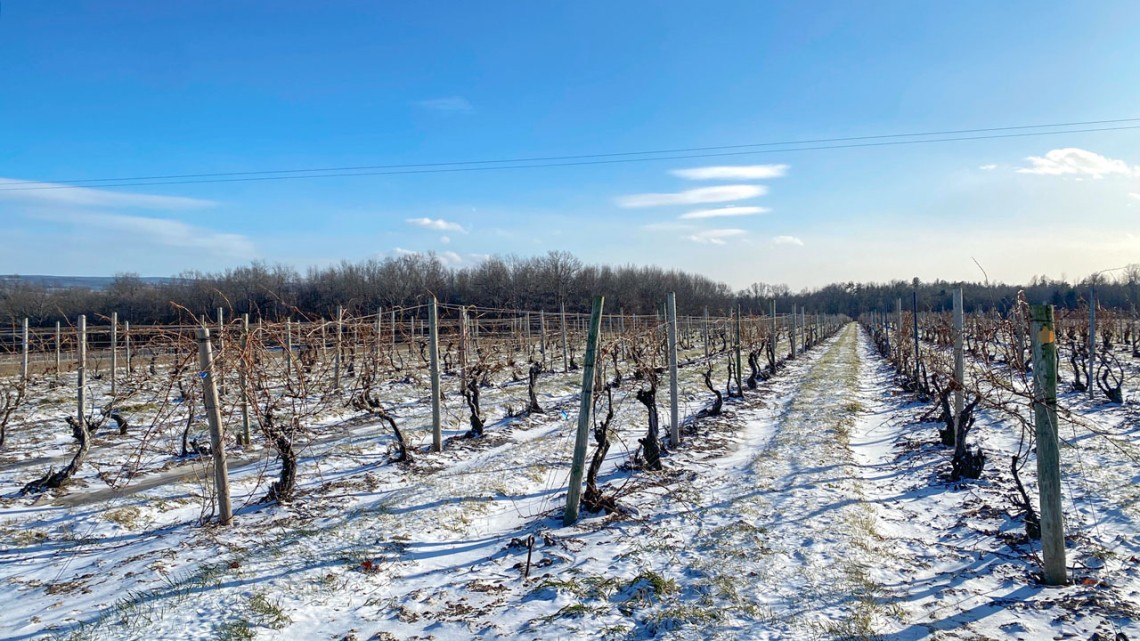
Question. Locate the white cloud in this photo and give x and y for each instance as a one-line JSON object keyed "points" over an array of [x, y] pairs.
{"points": [[989, 167], [738, 172], [787, 240], [723, 193], [1073, 161], [715, 236], [445, 239], [56, 194], [437, 224], [450, 103], [668, 226], [725, 211], [159, 231], [1133, 195]]}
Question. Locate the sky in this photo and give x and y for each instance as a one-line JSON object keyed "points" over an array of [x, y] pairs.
{"points": [[113, 89]]}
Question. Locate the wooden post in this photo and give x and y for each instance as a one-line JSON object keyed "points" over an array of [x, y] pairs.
{"points": [[288, 343], [221, 331], [380, 315], [705, 331], [914, 313], [392, 343], [792, 335], [114, 351], [462, 348], [739, 361], [542, 336], [1092, 343], [959, 361], [24, 359], [775, 333], [58, 341], [81, 373], [338, 346], [898, 331], [243, 362], [127, 346], [585, 408], [674, 406], [214, 416], [433, 347], [1048, 454], [565, 347]]}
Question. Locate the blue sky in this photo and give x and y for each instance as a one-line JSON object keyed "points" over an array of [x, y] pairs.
{"points": [[106, 89]]}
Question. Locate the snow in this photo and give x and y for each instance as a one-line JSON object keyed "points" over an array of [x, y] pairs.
{"points": [[816, 508]]}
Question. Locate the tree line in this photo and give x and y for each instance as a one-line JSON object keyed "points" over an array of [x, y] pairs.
{"points": [[277, 292]]}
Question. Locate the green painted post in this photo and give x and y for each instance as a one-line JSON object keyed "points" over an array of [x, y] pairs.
{"points": [[585, 408], [1048, 454]]}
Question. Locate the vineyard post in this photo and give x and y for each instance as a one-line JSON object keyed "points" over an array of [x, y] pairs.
{"points": [[1092, 343], [739, 362], [127, 345], [243, 362], [1048, 455], [529, 343], [338, 346], [114, 350], [214, 416], [392, 342], [774, 333], [24, 359], [289, 343], [462, 348], [898, 331], [221, 332], [585, 408], [379, 316], [914, 313], [542, 336], [674, 409], [705, 331], [792, 332], [81, 372], [959, 361], [565, 347], [58, 340], [433, 348]]}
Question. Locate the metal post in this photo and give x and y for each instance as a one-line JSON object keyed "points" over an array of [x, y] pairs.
{"points": [[565, 348], [243, 362], [1092, 343], [58, 341], [127, 346], [114, 351], [81, 372], [24, 359], [959, 361], [739, 361], [339, 346], [585, 408]]}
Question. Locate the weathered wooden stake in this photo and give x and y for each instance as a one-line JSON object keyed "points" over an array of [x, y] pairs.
{"points": [[214, 417], [24, 360], [585, 409], [114, 352], [244, 361], [1048, 454], [914, 313], [674, 405], [565, 347], [81, 373], [433, 350], [339, 346], [542, 336], [1092, 343], [58, 341], [127, 346], [959, 361], [739, 361]]}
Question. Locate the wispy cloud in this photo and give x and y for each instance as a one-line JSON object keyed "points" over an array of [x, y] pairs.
{"points": [[1133, 195], [989, 167], [668, 226], [450, 103], [715, 236], [724, 211], [162, 232], [703, 195], [787, 240], [43, 193], [1080, 162], [732, 172], [437, 224]]}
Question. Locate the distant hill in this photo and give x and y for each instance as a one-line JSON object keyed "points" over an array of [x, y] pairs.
{"points": [[94, 283]]}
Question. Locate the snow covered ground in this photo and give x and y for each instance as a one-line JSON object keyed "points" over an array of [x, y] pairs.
{"points": [[817, 508]]}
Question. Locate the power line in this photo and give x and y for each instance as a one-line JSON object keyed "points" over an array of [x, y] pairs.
{"points": [[882, 140]]}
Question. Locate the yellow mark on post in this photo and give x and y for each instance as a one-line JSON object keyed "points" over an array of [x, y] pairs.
{"points": [[1046, 336]]}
